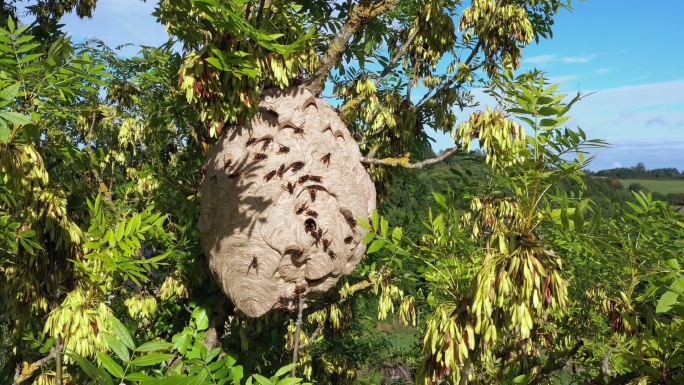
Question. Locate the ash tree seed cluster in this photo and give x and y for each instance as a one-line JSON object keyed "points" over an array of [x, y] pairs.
{"points": [[279, 201]]}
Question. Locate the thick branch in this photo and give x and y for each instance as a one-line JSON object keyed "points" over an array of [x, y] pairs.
{"points": [[421, 164], [357, 17]]}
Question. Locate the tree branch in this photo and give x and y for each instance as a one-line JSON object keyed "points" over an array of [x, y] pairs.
{"points": [[28, 370], [357, 17], [352, 103], [295, 349], [470, 58], [404, 161], [451, 81], [557, 361]]}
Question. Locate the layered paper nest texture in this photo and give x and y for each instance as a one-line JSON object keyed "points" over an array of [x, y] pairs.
{"points": [[280, 200]]}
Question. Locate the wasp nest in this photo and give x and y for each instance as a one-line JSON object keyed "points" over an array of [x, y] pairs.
{"points": [[279, 202]]}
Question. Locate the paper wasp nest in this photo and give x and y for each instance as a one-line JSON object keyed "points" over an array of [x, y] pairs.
{"points": [[279, 202]]}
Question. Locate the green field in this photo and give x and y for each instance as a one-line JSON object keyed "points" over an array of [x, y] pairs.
{"points": [[656, 185]]}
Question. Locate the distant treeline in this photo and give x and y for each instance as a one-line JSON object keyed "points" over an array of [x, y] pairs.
{"points": [[640, 172]]}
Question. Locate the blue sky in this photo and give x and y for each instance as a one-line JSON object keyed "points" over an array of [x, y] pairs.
{"points": [[629, 51]]}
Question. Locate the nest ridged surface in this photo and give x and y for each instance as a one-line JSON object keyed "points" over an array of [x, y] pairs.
{"points": [[268, 241]]}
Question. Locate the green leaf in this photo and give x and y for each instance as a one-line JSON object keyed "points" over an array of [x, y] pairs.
{"points": [[521, 379], [122, 333], [284, 370], [441, 200], [230, 359], [667, 302], [397, 235], [27, 233], [27, 246], [151, 359], [555, 122], [27, 47], [119, 230], [376, 245], [238, 374], [182, 341], [201, 318], [289, 381], [217, 63], [138, 377], [673, 264], [369, 237], [10, 92], [173, 380], [676, 361], [117, 347], [261, 379], [363, 223], [15, 118], [4, 132], [376, 220], [154, 346], [91, 370], [115, 369], [212, 354]]}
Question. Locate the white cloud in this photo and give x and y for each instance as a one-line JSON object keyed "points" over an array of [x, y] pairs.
{"points": [[540, 59], [640, 123], [562, 79], [578, 59], [616, 165], [545, 59], [602, 71]]}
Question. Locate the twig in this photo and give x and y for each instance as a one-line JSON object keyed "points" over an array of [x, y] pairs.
{"points": [[295, 350], [28, 370], [58, 360], [357, 17], [465, 372], [373, 135], [401, 52], [470, 58], [451, 81], [421, 164], [315, 334], [557, 361], [605, 366], [260, 13]]}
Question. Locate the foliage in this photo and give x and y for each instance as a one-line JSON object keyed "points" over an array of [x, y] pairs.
{"points": [[634, 296], [513, 264], [640, 172], [492, 276], [192, 362]]}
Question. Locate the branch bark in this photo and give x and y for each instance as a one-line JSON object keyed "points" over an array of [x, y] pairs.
{"points": [[28, 370], [358, 15], [295, 349], [421, 164], [557, 361]]}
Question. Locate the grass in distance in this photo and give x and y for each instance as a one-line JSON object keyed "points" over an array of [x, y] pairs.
{"points": [[656, 185]]}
